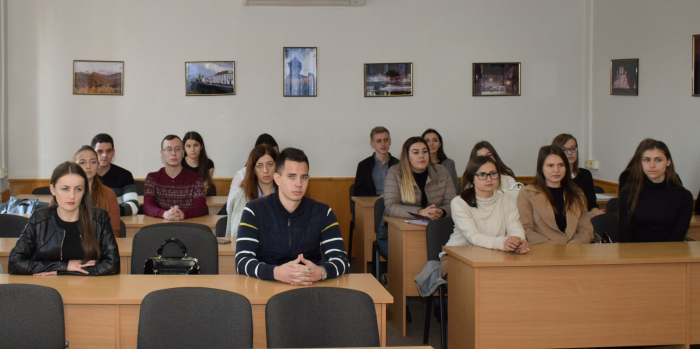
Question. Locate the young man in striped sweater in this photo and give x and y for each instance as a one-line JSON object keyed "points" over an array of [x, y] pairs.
{"points": [[286, 236]]}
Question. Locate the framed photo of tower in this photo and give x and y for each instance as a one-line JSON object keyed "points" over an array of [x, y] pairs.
{"points": [[696, 65], [624, 77], [299, 79], [388, 79], [496, 79], [210, 78]]}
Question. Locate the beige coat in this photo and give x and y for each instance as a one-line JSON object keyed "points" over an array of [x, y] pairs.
{"points": [[537, 217], [439, 188]]}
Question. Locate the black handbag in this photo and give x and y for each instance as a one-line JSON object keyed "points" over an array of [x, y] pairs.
{"points": [[160, 265]]}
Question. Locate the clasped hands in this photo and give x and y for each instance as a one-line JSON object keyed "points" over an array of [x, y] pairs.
{"points": [[517, 245], [433, 212], [174, 214], [73, 265], [299, 272]]}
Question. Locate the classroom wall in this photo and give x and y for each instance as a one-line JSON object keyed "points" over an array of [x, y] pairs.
{"points": [[659, 33], [155, 38]]}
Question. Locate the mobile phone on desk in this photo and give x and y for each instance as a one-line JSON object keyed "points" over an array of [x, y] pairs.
{"points": [[223, 241], [419, 216]]}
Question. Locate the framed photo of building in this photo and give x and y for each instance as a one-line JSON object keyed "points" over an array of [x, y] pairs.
{"points": [[299, 79], [98, 78], [496, 79], [696, 65], [388, 79], [215, 78], [624, 77]]}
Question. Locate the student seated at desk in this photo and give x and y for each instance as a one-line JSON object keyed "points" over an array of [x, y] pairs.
{"points": [[553, 209], [282, 236], [582, 177], [258, 183], [437, 153], [72, 237], [654, 206], [371, 172], [240, 174], [174, 193], [506, 175], [417, 186], [116, 178], [196, 159]]}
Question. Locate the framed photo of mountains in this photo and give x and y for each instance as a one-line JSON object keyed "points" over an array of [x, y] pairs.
{"points": [[98, 78]]}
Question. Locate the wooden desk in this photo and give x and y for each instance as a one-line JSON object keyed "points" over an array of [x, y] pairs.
{"points": [[136, 222], [407, 257], [213, 202], [103, 312], [568, 296], [227, 255], [364, 235]]}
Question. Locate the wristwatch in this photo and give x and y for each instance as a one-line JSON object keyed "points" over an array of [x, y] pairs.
{"points": [[324, 274]]}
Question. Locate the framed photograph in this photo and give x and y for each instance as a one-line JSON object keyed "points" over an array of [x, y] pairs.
{"points": [[210, 78], [388, 79], [696, 65], [299, 72], [496, 79], [98, 78], [624, 77]]}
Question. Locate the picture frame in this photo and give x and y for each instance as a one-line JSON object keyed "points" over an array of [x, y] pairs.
{"points": [[210, 78], [624, 77], [105, 78], [388, 79], [496, 79], [299, 72], [696, 65]]}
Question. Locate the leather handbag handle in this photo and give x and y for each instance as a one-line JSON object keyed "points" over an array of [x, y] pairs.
{"points": [[167, 241]]}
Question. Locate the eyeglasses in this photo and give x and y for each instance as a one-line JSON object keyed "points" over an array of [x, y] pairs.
{"points": [[482, 175], [571, 150], [170, 150]]}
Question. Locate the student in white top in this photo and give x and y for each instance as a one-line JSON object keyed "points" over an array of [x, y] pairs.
{"points": [[240, 174], [506, 175], [483, 217]]}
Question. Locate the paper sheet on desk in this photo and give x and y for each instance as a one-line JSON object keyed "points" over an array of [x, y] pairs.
{"points": [[603, 197], [422, 223]]}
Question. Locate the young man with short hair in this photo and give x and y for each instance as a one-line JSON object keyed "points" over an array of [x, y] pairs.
{"points": [[117, 178], [280, 234], [371, 172], [174, 193]]}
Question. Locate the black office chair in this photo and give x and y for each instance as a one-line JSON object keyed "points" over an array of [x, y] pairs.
{"points": [[377, 253], [613, 206], [195, 317], [139, 187], [198, 239], [222, 211], [221, 227], [11, 226], [122, 229], [31, 316], [607, 223], [321, 317], [437, 233], [598, 190], [41, 191], [212, 190], [352, 221]]}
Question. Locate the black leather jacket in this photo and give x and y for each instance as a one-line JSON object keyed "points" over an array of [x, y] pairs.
{"points": [[39, 247]]}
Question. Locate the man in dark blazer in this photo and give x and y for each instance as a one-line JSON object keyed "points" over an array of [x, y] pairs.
{"points": [[371, 172]]}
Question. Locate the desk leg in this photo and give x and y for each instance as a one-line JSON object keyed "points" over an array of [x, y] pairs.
{"points": [[396, 312], [381, 322], [259, 332], [90, 326], [462, 304], [125, 265], [358, 241]]}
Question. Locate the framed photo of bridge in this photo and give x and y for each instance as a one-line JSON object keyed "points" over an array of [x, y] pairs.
{"points": [[388, 79], [210, 78], [98, 78]]}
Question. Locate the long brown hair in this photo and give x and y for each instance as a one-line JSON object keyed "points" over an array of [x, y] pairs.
{"points": [[500, 166], [559, 141], [475, 163], [635, 183], [203, 158], [97, 192], [573, 195], [441, 151], [407, 180], [88, 239], [250, 181]]}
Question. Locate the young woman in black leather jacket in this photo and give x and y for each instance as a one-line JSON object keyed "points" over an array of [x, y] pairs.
{"points": [[71, 237]]}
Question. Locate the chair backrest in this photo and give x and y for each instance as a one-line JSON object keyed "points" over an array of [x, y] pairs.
{"points": [[613, 206], [378, 214], [11, 226], [139, 187], [321, 317], [437, 233], [198, 239], [212, 190], [195, 317], [31, 316], [221, 226], [41, 191], [598, 190], [607, 223], [352, 203], [222, 211], [122, 229]]}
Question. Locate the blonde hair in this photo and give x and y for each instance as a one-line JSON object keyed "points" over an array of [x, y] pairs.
{"points": [[408, 195]]}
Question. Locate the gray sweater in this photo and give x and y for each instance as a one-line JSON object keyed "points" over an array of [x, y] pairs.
{"points": [[439, 188]]}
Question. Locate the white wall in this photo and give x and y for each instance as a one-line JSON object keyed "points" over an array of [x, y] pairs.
{"points": [[659, 33], [154, 39]]}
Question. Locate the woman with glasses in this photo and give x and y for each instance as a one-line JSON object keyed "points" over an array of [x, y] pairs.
{"points": [[506, 175], [437, 154], [582, 177], [553, 209]]}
